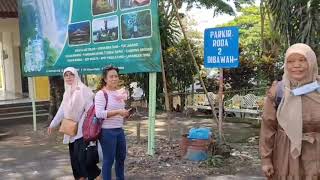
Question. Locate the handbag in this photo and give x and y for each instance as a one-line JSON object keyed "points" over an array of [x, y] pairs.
{"points": [[92, 125], [69, 127]]}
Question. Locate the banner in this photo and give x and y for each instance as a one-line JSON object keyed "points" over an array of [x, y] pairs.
{"points": [[88, 35]]}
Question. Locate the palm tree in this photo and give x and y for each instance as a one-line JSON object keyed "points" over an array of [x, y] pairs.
{"points": [[297, 20], [170, 33]]}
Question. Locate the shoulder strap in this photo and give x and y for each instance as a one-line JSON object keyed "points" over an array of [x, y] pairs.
{"points": [[106, 97], [279, 93]]}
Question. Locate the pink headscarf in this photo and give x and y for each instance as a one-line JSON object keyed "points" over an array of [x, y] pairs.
{"points": [[75, 96]]}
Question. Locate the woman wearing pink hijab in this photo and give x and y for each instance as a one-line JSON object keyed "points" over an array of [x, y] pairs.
{"points": [[77, 99], [290, 133]]}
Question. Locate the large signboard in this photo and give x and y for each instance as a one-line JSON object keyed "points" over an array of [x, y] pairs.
{"points": [[221, 47], [88, 35]]}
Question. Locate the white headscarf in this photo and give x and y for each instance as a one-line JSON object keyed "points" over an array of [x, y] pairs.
{"points": [[75, 96], [289, 112]]}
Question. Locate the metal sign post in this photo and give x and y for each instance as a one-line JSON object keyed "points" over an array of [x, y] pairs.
{"points": [[32, 94], [152, 112], [221, 50], [220, 103]]}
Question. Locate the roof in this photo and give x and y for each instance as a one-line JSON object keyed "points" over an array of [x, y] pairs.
{"points": [[8, 9]]}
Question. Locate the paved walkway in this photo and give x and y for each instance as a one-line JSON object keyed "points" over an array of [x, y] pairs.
{"points": [[28, 155]]}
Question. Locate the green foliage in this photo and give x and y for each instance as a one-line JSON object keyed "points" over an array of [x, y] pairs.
{"points": [[28, 27], [168, 25], [50, 53], [215, 161], [219, 6], [297, 21], [179, 66], [249, 23], [255, 69]]}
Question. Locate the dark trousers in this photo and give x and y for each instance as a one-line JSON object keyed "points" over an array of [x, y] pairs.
{"points": [[78, 157], [113, 143]]}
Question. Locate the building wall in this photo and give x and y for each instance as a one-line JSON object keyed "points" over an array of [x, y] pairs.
{"points": [[17, 69], [9, 25], [10, 42], [8, 61], [42, 88]]}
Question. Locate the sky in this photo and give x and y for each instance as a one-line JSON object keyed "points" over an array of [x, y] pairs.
{"points": [[204, 17]]}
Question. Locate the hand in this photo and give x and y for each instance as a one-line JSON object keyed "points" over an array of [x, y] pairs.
{"points": [[49, 131], [124, 113], [268, 170], [131, 113]]}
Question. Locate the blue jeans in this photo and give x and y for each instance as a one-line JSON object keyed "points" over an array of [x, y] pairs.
{"points": [[113, 143]]}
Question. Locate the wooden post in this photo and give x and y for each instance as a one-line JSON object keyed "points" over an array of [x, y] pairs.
{"points": [[220, 104]]}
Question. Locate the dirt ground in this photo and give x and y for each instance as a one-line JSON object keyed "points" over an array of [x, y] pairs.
{"points": [[25, 154]]}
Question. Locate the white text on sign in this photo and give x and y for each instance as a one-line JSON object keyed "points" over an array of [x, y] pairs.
{"points": [[221, 59], [221, 34]]}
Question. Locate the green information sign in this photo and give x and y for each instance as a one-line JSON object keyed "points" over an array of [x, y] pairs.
{"points": [[88, 35]]}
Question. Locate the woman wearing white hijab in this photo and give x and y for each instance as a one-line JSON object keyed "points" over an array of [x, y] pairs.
{"points": [[290, 134], [77, 99]]}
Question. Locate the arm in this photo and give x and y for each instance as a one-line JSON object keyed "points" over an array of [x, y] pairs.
{"points": [[101, 112], [268, 130], [57, 118]]}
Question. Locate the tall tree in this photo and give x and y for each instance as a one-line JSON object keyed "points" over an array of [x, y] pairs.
{"points": [[255, 69], [56, 95], [179, 67], [218, 6], [297, 21]]}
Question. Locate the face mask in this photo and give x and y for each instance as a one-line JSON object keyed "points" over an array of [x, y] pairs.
{"points": [[305, 89]]}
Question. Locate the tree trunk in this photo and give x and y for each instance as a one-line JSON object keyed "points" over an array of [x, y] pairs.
{"points": [[262, 15], [56, 95], [192, 92], [195, 63], [166, 99]]}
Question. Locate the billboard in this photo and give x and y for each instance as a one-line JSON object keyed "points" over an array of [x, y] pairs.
{"points": [[88, 35]]}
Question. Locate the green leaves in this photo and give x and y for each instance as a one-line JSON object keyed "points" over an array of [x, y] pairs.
{"points": [[255, 70], [297, 20], [215, 161], [178, 66], [219, 6]]}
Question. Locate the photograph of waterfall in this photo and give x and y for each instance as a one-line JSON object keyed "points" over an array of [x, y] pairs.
{"points": [[44, 32]]}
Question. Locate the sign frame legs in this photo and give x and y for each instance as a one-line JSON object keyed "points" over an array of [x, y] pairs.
{"points": [[32, 93], [152, 113]]}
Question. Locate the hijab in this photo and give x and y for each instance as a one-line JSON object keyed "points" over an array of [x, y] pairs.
{"points": [[289, 113], [75, 96]]}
